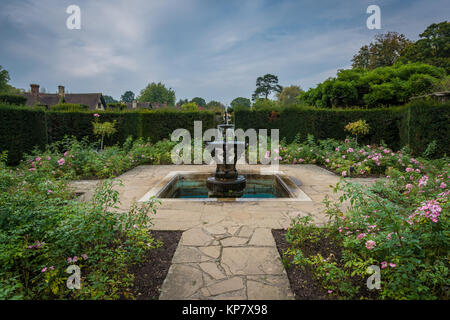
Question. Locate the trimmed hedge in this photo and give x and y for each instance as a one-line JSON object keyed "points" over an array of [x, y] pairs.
{"points": [[24, 128], [13, 99], [69, 107], [416, 124], [424, 122], [21, 129]]}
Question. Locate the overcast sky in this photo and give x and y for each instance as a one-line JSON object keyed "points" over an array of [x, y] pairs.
{"points": [[214, 49]]}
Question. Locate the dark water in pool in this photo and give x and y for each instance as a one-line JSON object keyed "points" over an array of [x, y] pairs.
{"points": [[261, 187]]}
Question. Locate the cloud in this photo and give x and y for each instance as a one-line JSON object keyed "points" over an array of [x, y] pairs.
{"points": [[211, 49]]}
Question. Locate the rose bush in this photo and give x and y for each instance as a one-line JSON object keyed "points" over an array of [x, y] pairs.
{"points": [[81, 159], [44, 229], [347, 158], [400, 224]]}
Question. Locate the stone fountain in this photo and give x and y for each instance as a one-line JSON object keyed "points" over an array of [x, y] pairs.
{"points": [[226, 181]]}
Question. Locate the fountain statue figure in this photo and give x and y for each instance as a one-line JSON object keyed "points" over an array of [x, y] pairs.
{"points": [[226, 181]]}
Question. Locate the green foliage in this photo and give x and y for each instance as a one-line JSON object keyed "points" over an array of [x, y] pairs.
{"points": [[128, 96], [399, 224], [24, 128], [386, 86], [118, 106], [241, 102], [432, 47], [4, 79], [423, 122], [416, 124], [69, 107], [263, 104], [103, 129], [21, 129], [191, 106], [43, 230], [199, 102], [384, 52], [265, 86], [358, 128], [13, 99], [109, 99], [157, 92], [81, 159], [288, 96]]}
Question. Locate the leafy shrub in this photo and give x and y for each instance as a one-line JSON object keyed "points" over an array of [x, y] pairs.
{"points": [[43, 230], [117, 106], [385, 86], [399, 224], [190, 106], [69, 107], [103, 129], [12, 99], [358, 128], [263, 104], [81, 159]]}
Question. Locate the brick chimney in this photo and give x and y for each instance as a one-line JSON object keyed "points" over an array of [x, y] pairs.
{"points": [[34, 89], [61, 91]]}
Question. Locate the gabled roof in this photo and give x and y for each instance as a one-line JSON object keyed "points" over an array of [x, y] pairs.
{"points": [[51, 99]]}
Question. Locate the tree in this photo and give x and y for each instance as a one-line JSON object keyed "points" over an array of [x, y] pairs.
{"points": [[181, 102], [215, 106], [4, 86], [190, 106], [289, 95], [265, 86], [128, 96], [241, 102], [109, 99], [386, 86], [157, 93], [384, 52], [433, 47], [362, 59], [199, 101], [4, 79], [265, 104]]}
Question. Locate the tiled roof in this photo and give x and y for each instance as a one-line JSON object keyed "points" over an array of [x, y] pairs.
{"points": [[50, 99]]}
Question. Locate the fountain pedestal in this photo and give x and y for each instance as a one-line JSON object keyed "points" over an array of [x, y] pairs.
{"points": [[226, 181]]}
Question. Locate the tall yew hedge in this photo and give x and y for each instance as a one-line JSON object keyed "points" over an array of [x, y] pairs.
{"points": [[416, 124], [22, 129]]}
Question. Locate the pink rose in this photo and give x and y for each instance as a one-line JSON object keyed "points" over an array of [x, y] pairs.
{"points": [[370, 244]]}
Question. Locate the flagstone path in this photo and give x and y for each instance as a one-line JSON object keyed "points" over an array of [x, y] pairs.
{"points": [[227, 250]]}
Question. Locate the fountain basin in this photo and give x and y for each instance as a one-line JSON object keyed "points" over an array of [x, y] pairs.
{"points": [[191, 186]]}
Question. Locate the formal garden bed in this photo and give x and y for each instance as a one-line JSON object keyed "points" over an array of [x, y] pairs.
{"points": [[149, 276], [399, 224]]}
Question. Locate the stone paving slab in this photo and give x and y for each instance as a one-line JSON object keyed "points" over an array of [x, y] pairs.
{"points": [[235, 262]]}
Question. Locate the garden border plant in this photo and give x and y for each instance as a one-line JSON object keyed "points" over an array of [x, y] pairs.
{"points": [[400, 224]]}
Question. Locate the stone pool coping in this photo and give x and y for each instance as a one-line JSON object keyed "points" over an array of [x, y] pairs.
{"points": [[292, 188]]}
